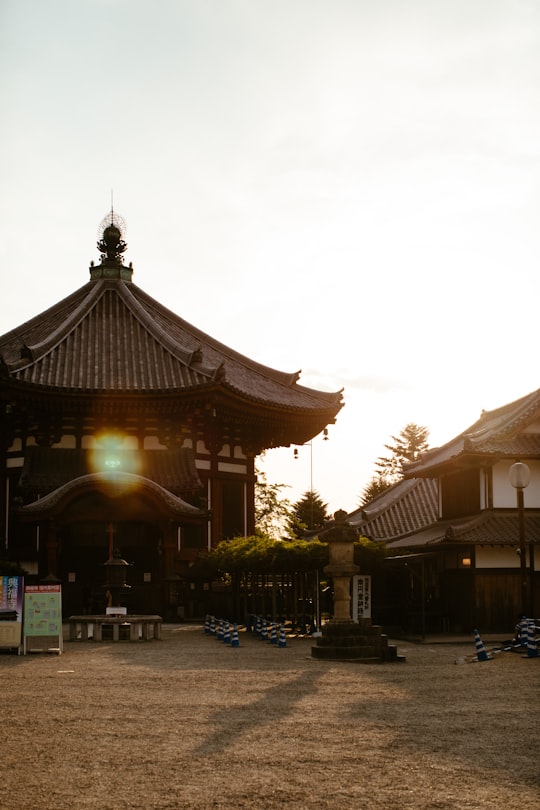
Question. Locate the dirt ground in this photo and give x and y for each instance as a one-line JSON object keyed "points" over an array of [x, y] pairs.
{"points": [[189, 722]]}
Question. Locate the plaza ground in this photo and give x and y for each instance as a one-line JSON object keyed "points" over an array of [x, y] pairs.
{"points": [[188, 722]]}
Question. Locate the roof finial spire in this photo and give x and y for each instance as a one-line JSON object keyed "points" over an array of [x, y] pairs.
{"points": [[111, 245]]}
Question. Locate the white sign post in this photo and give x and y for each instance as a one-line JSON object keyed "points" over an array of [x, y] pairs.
{"points": [[361, 597]]}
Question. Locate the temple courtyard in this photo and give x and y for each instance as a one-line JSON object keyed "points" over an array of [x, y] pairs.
{"points": [[189, 722]]}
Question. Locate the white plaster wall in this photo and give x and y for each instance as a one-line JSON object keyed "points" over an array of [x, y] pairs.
{"points": [[67, 442], [153, 443], [504, 494], [497, 557], [224, 466], [503, 557]]}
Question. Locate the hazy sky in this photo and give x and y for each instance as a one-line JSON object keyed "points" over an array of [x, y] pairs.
{"points": [[347, 187]]}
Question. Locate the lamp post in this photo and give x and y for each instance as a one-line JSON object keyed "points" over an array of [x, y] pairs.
{"points": [[295, 455], [520, 477], [317, 584]]}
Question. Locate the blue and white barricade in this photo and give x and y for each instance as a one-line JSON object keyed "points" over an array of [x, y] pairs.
{"points": [[282, 640], [235, 641]]}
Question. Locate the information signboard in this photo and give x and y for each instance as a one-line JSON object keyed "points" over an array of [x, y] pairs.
{"points": [[11, 611], [361, 598], [43, 612]]}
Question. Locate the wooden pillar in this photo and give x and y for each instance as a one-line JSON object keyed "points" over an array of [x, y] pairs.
{"points": [[4, 508], [216, 506], [52, 549], [249, 494], [170, 535]]}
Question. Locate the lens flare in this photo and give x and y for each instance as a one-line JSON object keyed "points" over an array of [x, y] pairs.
{"points": [[113, 452]]}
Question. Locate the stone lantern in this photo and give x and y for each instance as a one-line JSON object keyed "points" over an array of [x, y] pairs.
{"points": [[115, 578], [341, 567], [343, 639]]}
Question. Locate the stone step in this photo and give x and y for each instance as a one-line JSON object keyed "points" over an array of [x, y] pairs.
{"points": [[346, 654], [353, 641]]}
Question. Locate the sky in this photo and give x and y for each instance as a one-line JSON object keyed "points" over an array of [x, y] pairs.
{"points": [[346, 187]]}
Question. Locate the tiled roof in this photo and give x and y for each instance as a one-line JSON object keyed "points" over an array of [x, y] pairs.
{"points": [[501, 432], [488, 528], [405, 517], [495, 528], [111, 337], [406, 507]]}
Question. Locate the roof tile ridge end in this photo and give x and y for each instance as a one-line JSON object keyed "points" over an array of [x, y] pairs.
{"points": [[458, 527]]}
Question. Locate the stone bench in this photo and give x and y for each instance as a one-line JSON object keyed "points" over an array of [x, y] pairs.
{"points": [[114, 628]]}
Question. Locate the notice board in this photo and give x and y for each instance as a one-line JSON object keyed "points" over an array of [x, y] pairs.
{"points": [[43, 612], [11, 611]]}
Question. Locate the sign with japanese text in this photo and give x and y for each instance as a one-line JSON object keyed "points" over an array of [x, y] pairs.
{"points": [[11, 610], [42, 610], [361, 599]]}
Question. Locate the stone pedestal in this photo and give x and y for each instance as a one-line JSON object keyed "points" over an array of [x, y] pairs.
{"points": [[354, 641]]}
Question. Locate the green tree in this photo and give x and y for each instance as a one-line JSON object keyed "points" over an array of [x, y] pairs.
{"points": [[271, 511], [411, 442], [374, 487], [260, 554], [307, 514]]}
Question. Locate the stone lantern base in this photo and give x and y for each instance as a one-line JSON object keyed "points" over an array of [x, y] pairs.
{"points": [[354, 641]]}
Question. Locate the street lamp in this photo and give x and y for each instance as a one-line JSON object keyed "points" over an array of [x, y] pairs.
{"points": [[520, 477]]}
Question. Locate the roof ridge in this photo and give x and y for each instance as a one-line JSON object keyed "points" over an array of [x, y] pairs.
{"points": [[36, 351], [190, 357], [525, 406]]}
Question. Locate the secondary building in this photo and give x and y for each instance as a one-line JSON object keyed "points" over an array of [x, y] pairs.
{"points": [[462, 537]]}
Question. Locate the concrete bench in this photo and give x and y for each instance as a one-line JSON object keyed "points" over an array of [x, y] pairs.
{"points": [[114, 628]]}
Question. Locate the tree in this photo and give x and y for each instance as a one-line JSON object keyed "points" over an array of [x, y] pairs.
{"points": [[377, 484], [407, 447], [307, 514], [271, 511]]}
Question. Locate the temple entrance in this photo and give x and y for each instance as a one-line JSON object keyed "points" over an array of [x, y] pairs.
{"points": [[86, 547]]}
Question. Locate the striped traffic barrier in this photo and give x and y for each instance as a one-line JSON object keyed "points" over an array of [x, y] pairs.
{"points": [[212, 625], [227, 633], [532, 648], [273, 634], [481, 653], [282, 640], [235, 641], [524, 631]]}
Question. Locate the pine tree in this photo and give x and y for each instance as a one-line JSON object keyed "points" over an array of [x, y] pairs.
{"points": [[308, 514], [407, 447], [374, 487]]}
